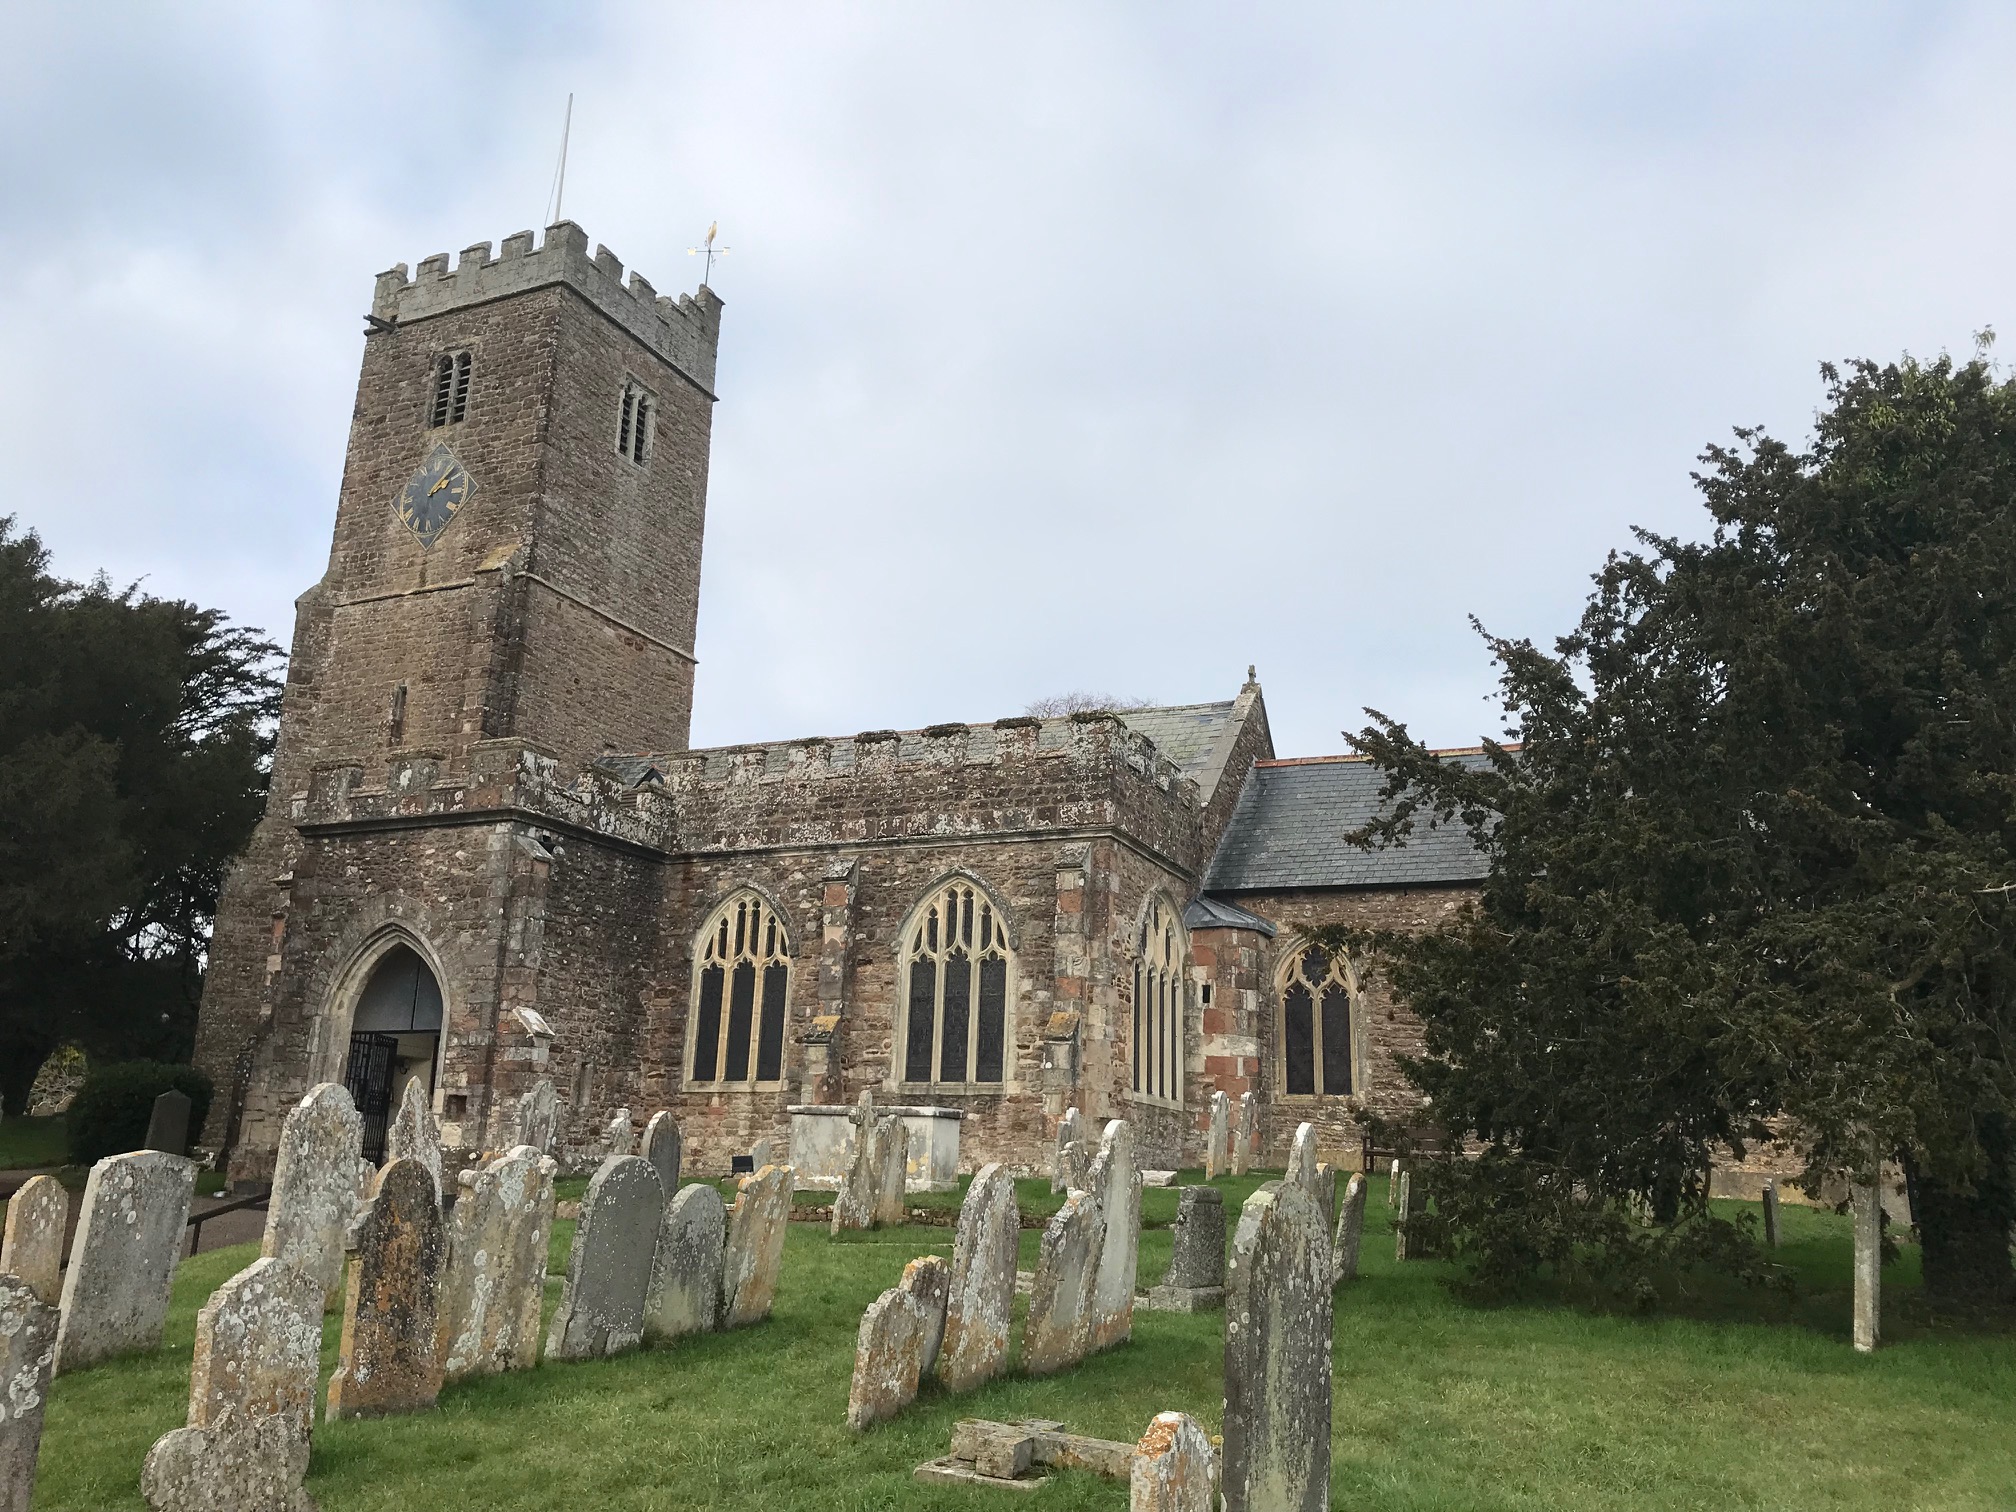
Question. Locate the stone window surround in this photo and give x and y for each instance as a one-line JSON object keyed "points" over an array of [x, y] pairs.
{"points": [[1172, 961], [452, 379], [751, 951], [636, 421], [1002, 945], [1344, 971]]}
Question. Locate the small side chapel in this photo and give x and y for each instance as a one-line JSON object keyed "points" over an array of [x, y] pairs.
{"points": [[490, 857]]}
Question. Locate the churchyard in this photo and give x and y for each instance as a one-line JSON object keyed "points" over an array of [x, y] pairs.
{"points": [[1733, 1401]]}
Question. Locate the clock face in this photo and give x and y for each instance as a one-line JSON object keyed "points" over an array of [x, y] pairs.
{"points": [[432, 495]]}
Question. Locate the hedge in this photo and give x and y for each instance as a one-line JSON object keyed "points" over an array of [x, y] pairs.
{"points": [[114, 1105]]}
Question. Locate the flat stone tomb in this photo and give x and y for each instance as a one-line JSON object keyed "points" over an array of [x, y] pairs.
{"points": [[898, 1343], [414, 1135], [1350, 1228], [1196, 1278], [1117, 1179], [488, 1311], [601, 1308], [27, 1360], [982, 1297], [664, 1147], [390, 1304], [1057, 1330], [1277, 1356], [685, 1292], [755, 1250], [32, 1251], [251, 1399], [122, 1265], [1003, 1455], [314, 1196]]}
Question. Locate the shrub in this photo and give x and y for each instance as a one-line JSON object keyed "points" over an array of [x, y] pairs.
{"points": [[111, 1112]]}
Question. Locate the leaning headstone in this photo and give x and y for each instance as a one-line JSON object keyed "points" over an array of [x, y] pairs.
{"points": [[616, 1133], [928, 1278], [1244, 1133], [1057, 1330], [982, 1295], [27, 1359], [32, 1251], [168, 1124], [390, 1301], [755, 1250], [1350, 1229], [1771, 1213], [1867, 1205], [854, 1205], [685, 1292], [539, 1116], [251, 1400], [1220, 1135], [1117, 1179], [1196, 1278], [892, 1169], [898, 1343], [1403, 1208], [1302, 1160], [601, 1308], [1174, 1467], [122, 1264], [414, 1135], [1070, 1131], [314, 1196], [487, 1317], [663, 1147], [1277, 1356]]}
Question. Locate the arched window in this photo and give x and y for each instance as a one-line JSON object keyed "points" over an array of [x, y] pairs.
{"points": [[1316, 1023], [633, 422], [956, 1020], [451, 389], [741, 983], [1158, 1004]]}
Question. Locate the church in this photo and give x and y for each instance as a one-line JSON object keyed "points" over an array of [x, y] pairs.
{"points": [[490, 856]]}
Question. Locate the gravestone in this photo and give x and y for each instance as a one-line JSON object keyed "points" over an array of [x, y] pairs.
{"points": [[390, 1300], [168, 1124], [982, 1295], [487, 1316], [1393, 1183], [892, 1166], [1070, 1131], [1326, 1195], [1245, 1131], [1402, 1210], [856, 1203], [1117, 1179], [1175, 1469], [1057, 1330], [1277, 1356], [414, 1135], [928, 1278], [1196, 1278], [898, 1343], [762, 1153], [1350, 1228], [129, 1236], [27, 1360], [251, 1399], [32, 1251], [616, 1133], [1302, 1158], [1771, 1213], [664, 1147], [314, 1196], [1216, 1151], [754, 1253], [601, 1308], [1866, 1202], [539, 1116], [685, 1292]]}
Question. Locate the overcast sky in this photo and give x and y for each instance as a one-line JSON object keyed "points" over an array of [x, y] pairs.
{"points": [[1066, 346]]}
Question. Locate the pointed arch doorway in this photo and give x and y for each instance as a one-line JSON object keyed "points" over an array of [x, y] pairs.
{"points": [[395, 1038]]}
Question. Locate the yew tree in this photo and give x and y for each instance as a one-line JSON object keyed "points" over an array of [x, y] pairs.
{"points": [[1753, 859]]}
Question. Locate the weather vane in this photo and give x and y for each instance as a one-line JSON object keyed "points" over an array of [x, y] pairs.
{"points": [[710, 250]]}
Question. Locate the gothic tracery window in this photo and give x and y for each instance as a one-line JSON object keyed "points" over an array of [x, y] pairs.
{"points": [[956, 994], [1158, 1004], [741, 983], [1316, 1024]]}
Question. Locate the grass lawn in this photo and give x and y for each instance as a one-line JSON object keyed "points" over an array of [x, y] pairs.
{"points": [[1438, 1405], [29, 1142]]}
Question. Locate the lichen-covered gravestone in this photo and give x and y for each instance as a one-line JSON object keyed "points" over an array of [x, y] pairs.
{"points": [[414, 1135], [1866, 1205], [487, 1317], [1244, 1133], [314, 1196], [1302, 1160], [122, 1265], [251, 1400], [1117, 1178], [892, 1163], [601, 1309], [898, 1343], [982, 1296], [1403, 1209], [685, 1292], [388, 1361], [168, 1124], [539, 1116], [32, 1251], [1057, 1330], [1196, 1278], [1174, 1468], [754, 1253], [1326, 1195], [1277, 1356], [1070, 1145], [1219, 1137], [616, 1133], [27, 1359], [855, 1204], [664, 1148], [1350, 1229]]}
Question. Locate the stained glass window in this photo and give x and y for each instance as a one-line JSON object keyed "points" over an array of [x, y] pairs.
{"points": [[956, 1026], [742, 971]]}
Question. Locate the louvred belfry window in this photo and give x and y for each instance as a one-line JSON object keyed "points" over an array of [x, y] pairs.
{"points": [[956, 997], [1316, 1024], [742, 979], [452, 371], [1158, 1004]]}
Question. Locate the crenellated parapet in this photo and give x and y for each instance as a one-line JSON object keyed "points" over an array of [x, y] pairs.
{"points": [[684, 331]]}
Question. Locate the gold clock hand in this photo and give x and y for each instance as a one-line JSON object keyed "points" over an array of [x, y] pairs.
{"points": [[442, 484]]}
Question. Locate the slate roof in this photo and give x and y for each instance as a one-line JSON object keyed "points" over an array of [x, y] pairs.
{"points": [[1214, 913], [1289, 826], [1185, 733]]}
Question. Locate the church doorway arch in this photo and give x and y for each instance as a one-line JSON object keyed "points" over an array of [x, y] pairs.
{"points": [[395, 1038]]}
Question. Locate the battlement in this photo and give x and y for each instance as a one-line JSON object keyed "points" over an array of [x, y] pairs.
{"points": [[684, 331]]}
